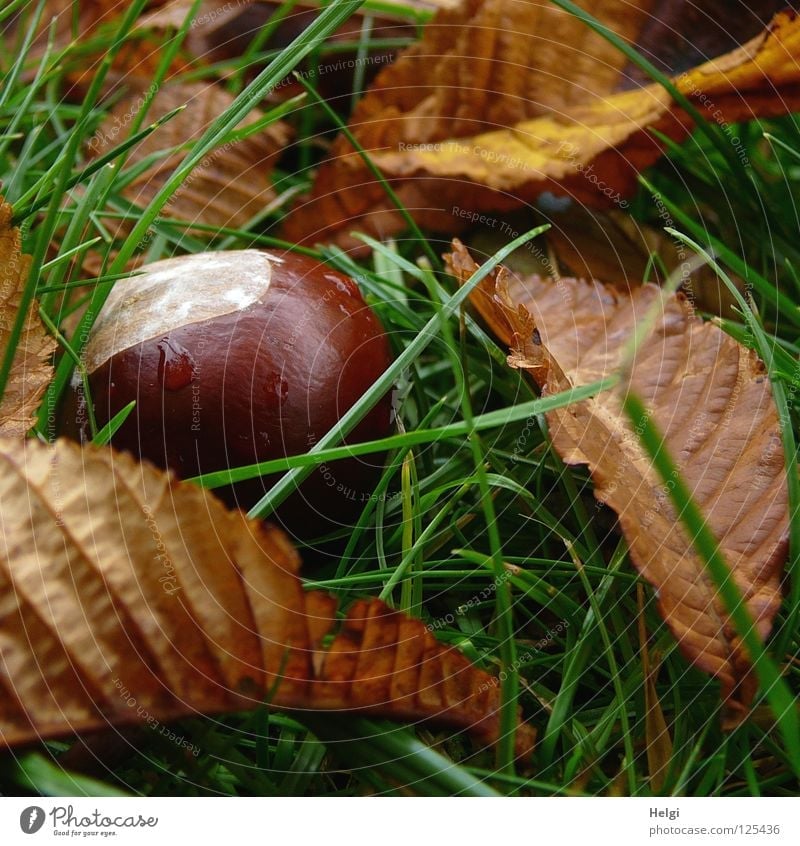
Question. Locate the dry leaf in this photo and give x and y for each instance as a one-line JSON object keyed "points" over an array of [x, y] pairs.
{"points": [[228, 187], [79, 23], [711, 399], [502, 100], [215, 18], [31, 370], [126, 596]]}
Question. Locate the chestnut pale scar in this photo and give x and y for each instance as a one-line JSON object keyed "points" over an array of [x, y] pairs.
{"points": [[176, 292]]}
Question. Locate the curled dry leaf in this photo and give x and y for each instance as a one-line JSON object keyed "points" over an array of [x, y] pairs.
{"points": [[214, 19], [119, 584], [79, 22], [228, 187], [31, 369], [711, 399], [501, 101]]}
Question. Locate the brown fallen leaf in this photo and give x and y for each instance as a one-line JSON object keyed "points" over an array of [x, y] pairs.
{"points": [[81, 23], [228, 187], [31, 370], [658, 740], [214, 19], [501, 101], [219, 34], [128, 597], [711, 399]]}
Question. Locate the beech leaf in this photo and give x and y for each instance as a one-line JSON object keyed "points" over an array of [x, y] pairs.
{"points": [[500, 101], [31, 369], [119, 584], [710, 398]]}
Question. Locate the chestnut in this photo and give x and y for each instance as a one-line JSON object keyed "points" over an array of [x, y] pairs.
{"points": [[239, 357]]}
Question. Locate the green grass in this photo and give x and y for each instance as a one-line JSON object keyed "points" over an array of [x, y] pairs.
{"points": [[470, 481]]}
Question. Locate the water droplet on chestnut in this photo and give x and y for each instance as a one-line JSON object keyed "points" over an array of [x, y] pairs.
{"points": [[175, 365]]}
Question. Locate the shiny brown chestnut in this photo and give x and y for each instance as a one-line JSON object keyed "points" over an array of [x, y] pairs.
{"points": [[240, 357]]}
